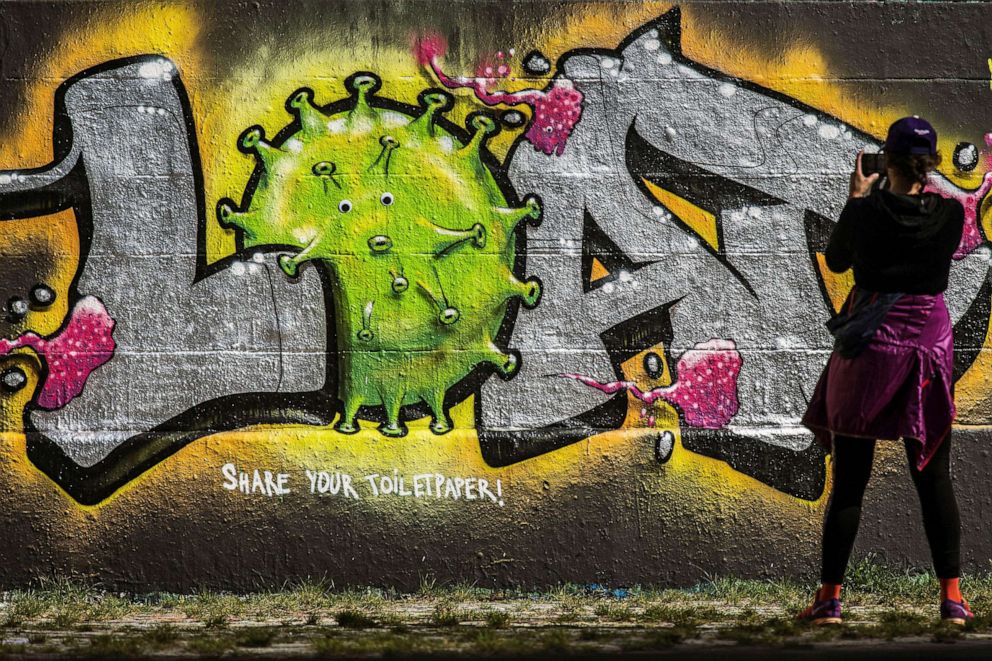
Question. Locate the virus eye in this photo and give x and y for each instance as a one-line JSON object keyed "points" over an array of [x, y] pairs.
{"points": [[386, 199], [344, 206], [548, 129]]}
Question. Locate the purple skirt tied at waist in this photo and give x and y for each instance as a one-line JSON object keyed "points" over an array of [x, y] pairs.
{"points": [[899, 386]]}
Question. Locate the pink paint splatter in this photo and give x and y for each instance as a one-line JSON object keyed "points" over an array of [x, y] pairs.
{"points": [[971, 237], [83, 345], [555, 110], [705, 389]]}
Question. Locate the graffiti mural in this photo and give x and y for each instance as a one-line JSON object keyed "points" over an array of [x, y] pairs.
{"points": [[435, 273]]}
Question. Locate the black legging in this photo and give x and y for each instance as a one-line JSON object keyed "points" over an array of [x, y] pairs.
{"points": [[852, 461]]}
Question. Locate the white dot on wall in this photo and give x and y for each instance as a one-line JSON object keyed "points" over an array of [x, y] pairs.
{"points": [[390, 118], [810, 120], [658, 211], [155, 70], [446, 144], [665, 58], [670, 134], [5, 179], [294, 145], [304, 234], [608, 287], [607, 63], [728, 89], [258, 257], [828, 131], [652, 44], [238, 268], [625, 276]]}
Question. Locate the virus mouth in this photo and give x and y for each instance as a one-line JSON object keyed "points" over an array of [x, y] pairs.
{"points": [[83, 345]]}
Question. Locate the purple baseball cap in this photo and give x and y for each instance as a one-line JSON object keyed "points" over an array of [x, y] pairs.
{"points": [[911, 135]]}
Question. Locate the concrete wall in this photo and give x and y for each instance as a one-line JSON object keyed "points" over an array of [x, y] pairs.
{"points": [[519, 292]]}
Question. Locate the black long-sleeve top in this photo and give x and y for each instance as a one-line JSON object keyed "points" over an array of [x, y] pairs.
{"points": [[897, 243]]}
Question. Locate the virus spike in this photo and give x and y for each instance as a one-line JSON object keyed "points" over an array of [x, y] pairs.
{"points": [[446, 240], [229, 217], [510, 217], [433, 102], [506, 363], [312, 121], [325, 170], [399, 284], [392, 401], [389, 144], [290, 264], [253, 141], [348, 424], [366, 334], [484, 126], [362, 86], [439, 420], [529, 291], [447, 314]]}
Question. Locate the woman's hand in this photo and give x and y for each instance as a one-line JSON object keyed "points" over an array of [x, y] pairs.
{"points": [[860, 184]]}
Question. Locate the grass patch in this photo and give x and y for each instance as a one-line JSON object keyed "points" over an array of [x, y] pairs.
{"points": [[210, 646], [753, 631], [679, 614], [497, 619], [445, 616], [379, 644], [161, 636], [354, 619], [896, 624], [113, 646], [614, 612], [255, 637], [12, 651], [659, 639]]}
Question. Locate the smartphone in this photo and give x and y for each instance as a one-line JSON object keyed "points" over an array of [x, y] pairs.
{"points": [[873, 164]]}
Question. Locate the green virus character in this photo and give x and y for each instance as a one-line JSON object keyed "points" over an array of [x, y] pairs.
{"points": [[418, 234]]}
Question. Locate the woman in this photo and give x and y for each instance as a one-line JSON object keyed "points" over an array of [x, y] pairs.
{"points": [[890, 374]]}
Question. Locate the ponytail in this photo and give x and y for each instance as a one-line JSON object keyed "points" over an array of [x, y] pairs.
{"points": [[915, 167]]}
